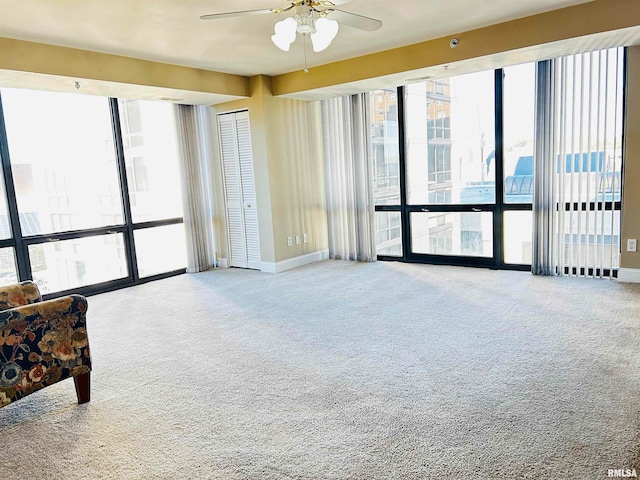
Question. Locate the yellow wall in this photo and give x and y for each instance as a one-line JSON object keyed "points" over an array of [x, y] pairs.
{"points": [[591, 23], [631, 199], [289, 172], [296, 165], [257, 122], [49, 62]]}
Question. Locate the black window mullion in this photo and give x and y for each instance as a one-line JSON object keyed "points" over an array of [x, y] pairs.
{"points": [[130, 247], [511, 207], [452, 207], [23, 263], [90, 232], [402, 163], [158, 223], [498, 215]]}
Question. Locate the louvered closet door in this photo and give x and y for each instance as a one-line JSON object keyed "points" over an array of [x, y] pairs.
{"points": [[240, 192]]}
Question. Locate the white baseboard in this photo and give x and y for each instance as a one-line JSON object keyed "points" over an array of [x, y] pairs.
{"points": [[223, 263], [629, 275], [288, 264]]}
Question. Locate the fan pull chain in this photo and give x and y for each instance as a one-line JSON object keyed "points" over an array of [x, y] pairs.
{"points": [[306, 68]]}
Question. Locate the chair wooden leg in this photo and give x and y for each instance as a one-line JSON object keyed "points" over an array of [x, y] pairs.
{"points": [[83, 387]]}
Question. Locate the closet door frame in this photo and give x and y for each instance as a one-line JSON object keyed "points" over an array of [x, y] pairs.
{"points": [[242, 254]]}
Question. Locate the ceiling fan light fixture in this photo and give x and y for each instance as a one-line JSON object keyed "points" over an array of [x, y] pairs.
{"points": [[321, 30], [326, 31], [306, 23], [285, 33], [309, 20]]}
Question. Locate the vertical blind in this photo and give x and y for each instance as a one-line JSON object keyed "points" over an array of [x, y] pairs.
{"points": [[583, 119]]}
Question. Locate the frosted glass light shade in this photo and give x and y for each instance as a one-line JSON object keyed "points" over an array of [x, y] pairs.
{"points": [[285, 33], [326, 31]]}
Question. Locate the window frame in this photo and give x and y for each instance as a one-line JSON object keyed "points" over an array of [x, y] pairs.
{"points": [[21, 243], [497, 209]]}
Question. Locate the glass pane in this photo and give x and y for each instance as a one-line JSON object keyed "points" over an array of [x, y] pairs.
{"points": [[590, 159], [518, 227], [384, 146], [591, 239], [519, 117], [452, 233], [450, 130], [389, 233], [8, 273], [63, 161], [151, 155], [160, 249], [74, 263]]}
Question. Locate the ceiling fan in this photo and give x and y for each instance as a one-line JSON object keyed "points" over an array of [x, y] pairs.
{"points": [[310, 18]]}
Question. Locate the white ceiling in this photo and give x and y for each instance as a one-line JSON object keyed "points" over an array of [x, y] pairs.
{"points": [[170, 31]]}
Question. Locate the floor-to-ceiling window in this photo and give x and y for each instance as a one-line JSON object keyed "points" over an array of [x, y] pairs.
{"points": [[449, 127], [150, 146], [518, 113], [464, 150], [383, 109], [91, 194]]}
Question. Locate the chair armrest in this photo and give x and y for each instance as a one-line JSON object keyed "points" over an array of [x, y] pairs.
{"points": [[24, 293], [41, 344]]}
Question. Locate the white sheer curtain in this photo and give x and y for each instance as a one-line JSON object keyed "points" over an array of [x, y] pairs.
{"points": [[194, 129], [578, 164], [545, 185], [349, 178]]}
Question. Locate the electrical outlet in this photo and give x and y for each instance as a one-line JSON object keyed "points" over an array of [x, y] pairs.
{"points": [[289, 241], [304, 238], [632, 244], [297, 239]]}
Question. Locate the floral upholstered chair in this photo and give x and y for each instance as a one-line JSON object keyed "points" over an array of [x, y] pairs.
{"points": [[41, 343]]}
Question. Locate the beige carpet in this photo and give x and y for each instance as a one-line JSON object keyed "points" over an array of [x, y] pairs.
{"points": [[341, 370]]}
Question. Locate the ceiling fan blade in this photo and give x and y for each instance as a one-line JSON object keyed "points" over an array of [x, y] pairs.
{"points": [[214, 16], [354, 20], [329, 3]]}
